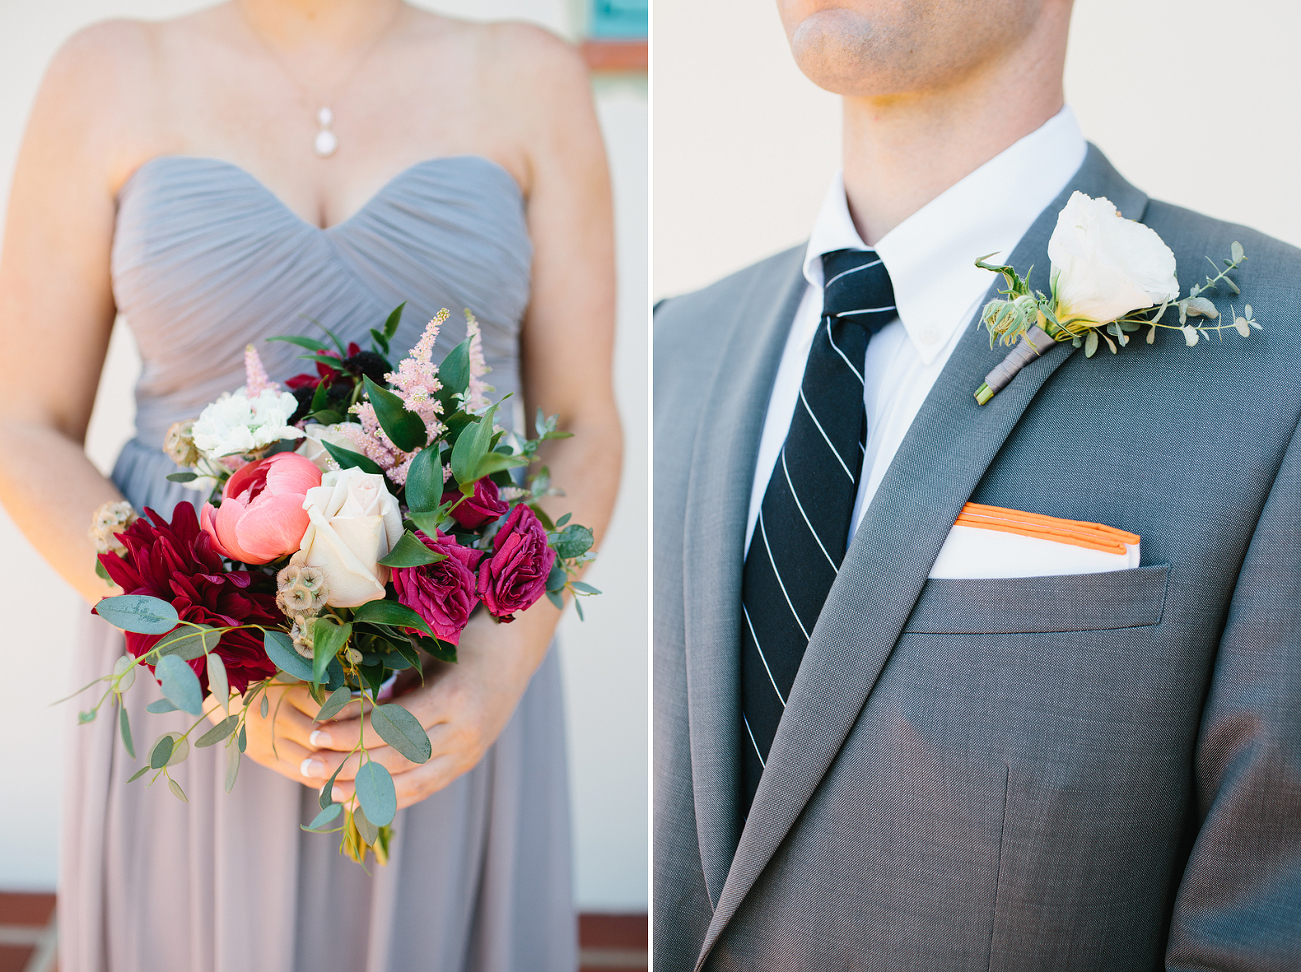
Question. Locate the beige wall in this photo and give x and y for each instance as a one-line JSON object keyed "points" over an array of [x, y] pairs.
{"points": [[604, 659], [1193, 100]]}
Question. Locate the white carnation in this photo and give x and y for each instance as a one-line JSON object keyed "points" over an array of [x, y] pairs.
{"points": [[235, 424]]}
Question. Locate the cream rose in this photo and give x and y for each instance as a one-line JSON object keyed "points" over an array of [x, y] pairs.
{"points": [[354, 523], [314, 435], [1104, 266]]}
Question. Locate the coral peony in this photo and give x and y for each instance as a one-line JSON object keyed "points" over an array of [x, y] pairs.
{"points": [[179, 563], [261, 516], [442, 593], [515, 576]]}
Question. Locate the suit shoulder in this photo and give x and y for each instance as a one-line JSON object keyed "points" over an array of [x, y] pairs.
{"points": [[698, 307]]}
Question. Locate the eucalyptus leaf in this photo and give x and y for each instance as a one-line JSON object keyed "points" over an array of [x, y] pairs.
{"points": [[557, 579], [161, 752], [182, 477], [578, 607], [369, 832], [218, 732], [375, 790], [471, 446], [218, 684], [124, 724], [346, 459], [139, 613], [1091, 343], [180, 749], [424, 487], [575, 539], [584, 588], [403, 731], [391, 613], [124, 670], [1236, 252], [159, 706], [334, 704], [280, 649], [556, 599], [188, 643], [139, 773], [326, 796], [410, 551], [180, 685], [406, 429], [266, 705], [242, 738], [87, 716], [325, 816], [176, 790], [232, 765]]}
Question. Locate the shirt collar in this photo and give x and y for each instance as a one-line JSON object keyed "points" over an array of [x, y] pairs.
{"points": [[931, 255]]}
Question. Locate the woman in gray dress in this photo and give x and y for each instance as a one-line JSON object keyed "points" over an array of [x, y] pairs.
{"points": [[218, 179]]}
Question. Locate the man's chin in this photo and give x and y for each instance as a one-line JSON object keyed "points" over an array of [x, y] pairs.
{"points": [[842, 52]]}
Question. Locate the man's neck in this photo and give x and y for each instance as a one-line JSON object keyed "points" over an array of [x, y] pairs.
{"points": [[900, 152]]}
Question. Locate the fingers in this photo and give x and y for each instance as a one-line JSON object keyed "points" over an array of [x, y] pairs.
{"points": [[283, 719], [342, 735], [386, 756], [287, 759], [301, 699]]}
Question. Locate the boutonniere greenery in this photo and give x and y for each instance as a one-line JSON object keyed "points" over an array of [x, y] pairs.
{"points": [[1110, 278]]}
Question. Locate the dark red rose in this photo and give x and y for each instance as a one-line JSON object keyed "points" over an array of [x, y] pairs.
{"points": [[515, 576], [443, 593], [178, 563], [483, 507]]}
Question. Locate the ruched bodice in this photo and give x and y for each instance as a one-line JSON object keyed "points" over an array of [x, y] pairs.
{"points": [[206, 260]]}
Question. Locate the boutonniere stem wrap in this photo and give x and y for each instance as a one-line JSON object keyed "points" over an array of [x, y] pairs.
{"points": [[1110, 277]]}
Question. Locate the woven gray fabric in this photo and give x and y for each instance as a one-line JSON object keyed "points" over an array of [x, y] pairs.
{"points": [[205, 261], [963, 780]]}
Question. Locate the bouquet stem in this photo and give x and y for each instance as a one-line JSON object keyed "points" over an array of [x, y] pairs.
{"points": [[1032, 344]]}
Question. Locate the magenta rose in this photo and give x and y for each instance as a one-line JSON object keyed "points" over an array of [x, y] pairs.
{"points": [[484, 506], [444, 593], [515, 576]]}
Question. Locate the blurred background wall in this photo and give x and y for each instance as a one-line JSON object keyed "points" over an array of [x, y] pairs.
{"points": [[604, 658], [1192, 100]]}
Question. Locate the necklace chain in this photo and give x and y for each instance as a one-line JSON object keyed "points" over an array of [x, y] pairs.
{"points": [[326, 143]]}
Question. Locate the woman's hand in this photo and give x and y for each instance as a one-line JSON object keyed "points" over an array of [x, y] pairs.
{"points": [[281, 741], [464, 707]]}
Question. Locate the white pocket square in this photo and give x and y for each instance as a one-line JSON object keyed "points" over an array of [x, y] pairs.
{"points": [[990, 542]]}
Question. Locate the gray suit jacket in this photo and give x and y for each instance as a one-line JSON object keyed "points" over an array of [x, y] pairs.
{"points": [[1095, 772]]}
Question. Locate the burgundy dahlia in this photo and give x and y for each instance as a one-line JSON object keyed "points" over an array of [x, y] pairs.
{"points": [[482, 507], [178, 563], [444, 593], [515, 576]]}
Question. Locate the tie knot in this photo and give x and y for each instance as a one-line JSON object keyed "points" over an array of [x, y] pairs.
{"points": [[856, 289]]}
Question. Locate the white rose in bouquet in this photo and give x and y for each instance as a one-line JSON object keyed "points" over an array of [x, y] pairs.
{"points": [[313, 435], [355, 522], [1104, 266]]}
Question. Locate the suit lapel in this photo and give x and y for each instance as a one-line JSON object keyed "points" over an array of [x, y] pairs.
{"points": [[718, 502], [945, 454]]}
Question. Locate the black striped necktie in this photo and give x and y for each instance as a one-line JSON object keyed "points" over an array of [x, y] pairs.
{"points": [[800, 538]]}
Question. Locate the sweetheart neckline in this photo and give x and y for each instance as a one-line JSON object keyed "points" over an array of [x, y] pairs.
{"points": [[281, 204]]}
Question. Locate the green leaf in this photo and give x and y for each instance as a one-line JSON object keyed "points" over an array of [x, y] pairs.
{"points": [[332, 336], [326, 796], [328, 360], [334, 704], [311, 344], [496, 462], [409, 551], [101, 573], [139, 613], [375, 791], [557, 579], [556, 599], [176, 790], [471, 446], [324, 817], [391, 613], [188, 643], [409, 655], [180, 685], [124, 723], [161, 752], [454, 372], [88, 716], [368, 831], [1236, 252], [159, 706], [406, 429], [394, 319], [585, 588], [380, 340], [218, 732], [139, 773], [232, 765], [576, 539], [434, 648], [346, 459], [180, 749], [563, 520], [266, 704], [330, 637], [403, 731], [242, 739], [182, 477], [1091, 343], [218, 684], [425, 481], [280, 649], [579, 608]]}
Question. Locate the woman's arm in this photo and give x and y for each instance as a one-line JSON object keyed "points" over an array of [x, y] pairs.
{"points": [[56, 302], [567, 348]]}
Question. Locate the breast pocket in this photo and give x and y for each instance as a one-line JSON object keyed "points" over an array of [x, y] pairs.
{"points": [[1024, 605]]}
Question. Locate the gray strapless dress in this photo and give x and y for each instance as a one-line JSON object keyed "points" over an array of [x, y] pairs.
{"points": [[206, 260]]}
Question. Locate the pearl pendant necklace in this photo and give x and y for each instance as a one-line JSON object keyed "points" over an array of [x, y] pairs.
{"points": [[326, 142]]}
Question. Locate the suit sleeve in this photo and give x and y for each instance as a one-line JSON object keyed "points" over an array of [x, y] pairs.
{"points": [[1238, 905]]}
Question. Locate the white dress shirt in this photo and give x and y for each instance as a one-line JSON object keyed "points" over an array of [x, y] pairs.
{"points": [[937, 288]]}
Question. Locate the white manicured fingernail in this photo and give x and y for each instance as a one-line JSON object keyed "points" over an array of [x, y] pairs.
{"points": [[312, 767], [337, 795], [320, 739]]}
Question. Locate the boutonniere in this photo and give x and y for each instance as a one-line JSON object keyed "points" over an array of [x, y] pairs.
{"points": [[1110, 277]]}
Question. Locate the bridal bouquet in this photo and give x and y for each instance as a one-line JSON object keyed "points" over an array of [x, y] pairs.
{"points": [[354, 521]]}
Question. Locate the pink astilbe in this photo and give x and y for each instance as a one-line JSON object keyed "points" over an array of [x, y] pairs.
{"points": [[256, 380], [416, 380], [477, 398]]}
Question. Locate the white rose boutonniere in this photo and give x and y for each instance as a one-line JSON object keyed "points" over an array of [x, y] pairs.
{"points": [[355, 522], [1107, 274]]}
